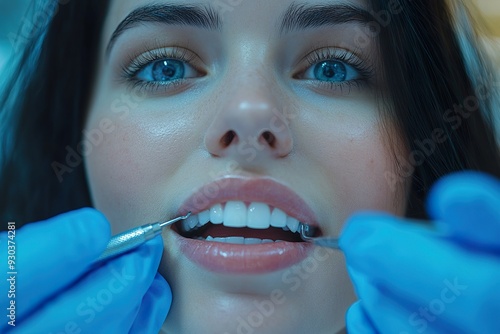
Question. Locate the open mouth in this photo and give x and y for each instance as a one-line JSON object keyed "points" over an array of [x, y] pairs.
{"points": [[244, 225], [238, 222]]}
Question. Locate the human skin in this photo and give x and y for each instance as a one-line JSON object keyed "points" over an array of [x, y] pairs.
{"points": [[160, 146]]}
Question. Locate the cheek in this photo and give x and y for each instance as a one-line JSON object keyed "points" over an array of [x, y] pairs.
{"points": [[356, 158], [367, 161], [127, 171]]}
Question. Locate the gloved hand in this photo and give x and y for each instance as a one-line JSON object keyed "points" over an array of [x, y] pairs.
{"points": [[412, 280], [59, 291]]}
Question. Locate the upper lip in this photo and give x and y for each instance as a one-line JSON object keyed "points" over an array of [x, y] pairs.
{"points": [[264, 190]]}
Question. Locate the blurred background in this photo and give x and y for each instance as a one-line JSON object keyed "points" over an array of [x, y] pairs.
{"points": [[12, 13]]}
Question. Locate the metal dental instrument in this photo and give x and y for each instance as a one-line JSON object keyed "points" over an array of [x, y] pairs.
{"points": [[306, 232], [135, 237]]}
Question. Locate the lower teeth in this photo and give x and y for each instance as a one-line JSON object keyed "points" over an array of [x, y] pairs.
{"points": [[239, 240]]}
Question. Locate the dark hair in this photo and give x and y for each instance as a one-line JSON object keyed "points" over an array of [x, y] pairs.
{"points": [[434, 93], [45, 115], [425, 73]]}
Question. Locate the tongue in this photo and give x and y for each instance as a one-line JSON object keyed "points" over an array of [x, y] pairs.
{"points": [[273, 233]]}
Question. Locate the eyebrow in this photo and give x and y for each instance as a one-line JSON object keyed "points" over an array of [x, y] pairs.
{"points": [[302, 16], [193, 15], [296, 17]]}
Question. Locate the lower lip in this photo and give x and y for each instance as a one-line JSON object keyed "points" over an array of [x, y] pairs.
{"points": [[243, 259]]}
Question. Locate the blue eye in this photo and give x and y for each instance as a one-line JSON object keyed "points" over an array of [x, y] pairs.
{"points": [[331, 71], [166, 70]]}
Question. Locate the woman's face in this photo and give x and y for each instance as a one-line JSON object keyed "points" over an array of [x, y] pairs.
{"points": [[252, 113]]}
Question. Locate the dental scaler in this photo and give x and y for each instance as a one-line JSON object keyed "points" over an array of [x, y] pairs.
{"points": [[307, 234], [135, 237]]}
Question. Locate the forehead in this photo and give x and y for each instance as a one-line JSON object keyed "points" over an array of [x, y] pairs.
{"points": [[236, 15]]}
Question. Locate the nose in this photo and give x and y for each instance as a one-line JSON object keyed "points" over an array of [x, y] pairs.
{"points": [[249, 126]]}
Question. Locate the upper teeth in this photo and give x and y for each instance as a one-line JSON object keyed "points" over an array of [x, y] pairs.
{"points": [[238, 214]]}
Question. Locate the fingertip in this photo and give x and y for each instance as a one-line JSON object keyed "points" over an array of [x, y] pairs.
{"points": [[160, 295], [154, 308], [466, 207], [360, 226], [463, 188], [373, 238], [357, 321], [156, 243], [144, 259], [161, 288], [358, 280], [154, 248], [89, 227], [163, 300]]}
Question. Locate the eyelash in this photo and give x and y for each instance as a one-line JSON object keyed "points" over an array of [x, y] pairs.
{"points": [[366, 71], [135, 65]]}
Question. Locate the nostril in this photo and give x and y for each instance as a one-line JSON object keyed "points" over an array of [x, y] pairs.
{"points": [[270, 138], [227, 138]]}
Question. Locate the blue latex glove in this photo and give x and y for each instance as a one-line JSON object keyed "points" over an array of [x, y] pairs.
{"points": [[56, 293], [411, 280]]}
